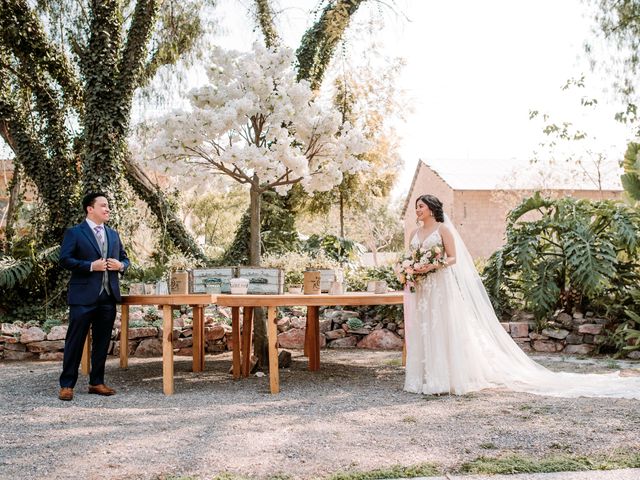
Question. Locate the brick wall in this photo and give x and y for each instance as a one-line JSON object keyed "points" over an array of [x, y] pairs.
{"points": [[480, 215]]}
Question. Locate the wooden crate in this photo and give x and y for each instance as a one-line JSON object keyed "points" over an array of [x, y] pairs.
{"points": [[198, 277], [263, 280], [328, 276]]}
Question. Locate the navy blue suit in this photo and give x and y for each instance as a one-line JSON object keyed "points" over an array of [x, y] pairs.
{"points": [[88, 307]]}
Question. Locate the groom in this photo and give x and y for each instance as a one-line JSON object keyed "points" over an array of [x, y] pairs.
{"points": [[94, 254]]}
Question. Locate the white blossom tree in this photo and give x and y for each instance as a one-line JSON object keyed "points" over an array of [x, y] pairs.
{"points": [[261, 127]]}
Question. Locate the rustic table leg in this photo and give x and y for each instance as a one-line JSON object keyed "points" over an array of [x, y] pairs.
{"points": [[167, 350], [198, 339], [306, 338], [313, 327], [272, 334], [247, 330], [235, 335], [85, 363], [124, 336]]}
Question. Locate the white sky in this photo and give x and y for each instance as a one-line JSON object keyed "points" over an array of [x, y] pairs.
{"points": [[474, 71]]}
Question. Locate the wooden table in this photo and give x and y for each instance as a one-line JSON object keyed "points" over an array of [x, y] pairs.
{"points": [[166, 303], [312, 334]]}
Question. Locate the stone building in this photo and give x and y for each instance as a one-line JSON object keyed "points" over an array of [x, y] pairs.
{"points": [[476, 207]]}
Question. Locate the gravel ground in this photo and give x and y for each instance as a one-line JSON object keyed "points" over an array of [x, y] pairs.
{"points": [[352, 415]]}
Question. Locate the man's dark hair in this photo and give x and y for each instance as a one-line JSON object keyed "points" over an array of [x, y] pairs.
{"points": [[90, 199]]}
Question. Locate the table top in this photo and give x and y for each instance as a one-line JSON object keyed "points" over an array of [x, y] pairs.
{"points": [[284, 300]]}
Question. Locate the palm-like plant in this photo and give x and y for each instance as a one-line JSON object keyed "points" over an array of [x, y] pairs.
{"points": [[562, 253]]}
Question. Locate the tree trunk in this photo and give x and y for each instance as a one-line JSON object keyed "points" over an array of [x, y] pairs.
{"points": [[163, 210], [260, 340], [254, 229]]}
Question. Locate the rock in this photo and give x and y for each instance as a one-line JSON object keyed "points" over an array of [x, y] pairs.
{"points": [[574, 339], [293, 338], [346, 342], [379, 326], [15, 347], [8, 339], [381, 340], [284, 324], [284, 359], [392, 327], [600, 339], [183, 343], [545, 346], [15, 355], [359, 331], [524, 344], [505, 325], [588, 339], [186, 332], [325, 325], [55, 356], [333, 334], [59, 332], [635, 355], [400, 332], [538, 336], [46, 346], [600, 321], [10, 329], [149, 347], [132, 348], [216, 348], [345, 327], [558, 334], [564, 319], [519, 329], [578, 315], [183, 352], [590, 328], [299, 322], [178, 322], [215, 332], [33, 334], [578, 349], [142, 332], [579, 321]]}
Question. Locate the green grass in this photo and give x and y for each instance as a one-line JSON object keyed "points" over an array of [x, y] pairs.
{"points": [[394, 362], [398, 471], [561, 463]]}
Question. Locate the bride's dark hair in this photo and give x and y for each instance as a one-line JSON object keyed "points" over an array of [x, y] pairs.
{"points": [[434, 205]]}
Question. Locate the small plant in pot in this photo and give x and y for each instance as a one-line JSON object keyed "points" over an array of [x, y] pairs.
{"points": [[294, 279]]}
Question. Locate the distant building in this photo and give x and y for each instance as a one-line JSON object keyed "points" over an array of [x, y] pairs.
{"points": [[476, 208]]}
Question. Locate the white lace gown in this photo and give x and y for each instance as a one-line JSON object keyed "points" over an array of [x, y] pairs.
{"points": [[455, 345]]}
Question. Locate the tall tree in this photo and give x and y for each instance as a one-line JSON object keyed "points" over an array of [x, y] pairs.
{"points": [[68, 75]]}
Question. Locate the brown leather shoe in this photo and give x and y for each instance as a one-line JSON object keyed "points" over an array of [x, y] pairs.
{"points": [[101, 389], [66, 394]]}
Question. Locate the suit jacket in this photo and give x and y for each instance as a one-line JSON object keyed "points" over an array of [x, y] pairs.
{"points": [[78, 250]]}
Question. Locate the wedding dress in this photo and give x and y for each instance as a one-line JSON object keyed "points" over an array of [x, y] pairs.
{"points": [[455, 343]]}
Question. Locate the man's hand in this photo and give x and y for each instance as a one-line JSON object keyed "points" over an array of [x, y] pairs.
{"points": [[99, 265], [113, 264]]}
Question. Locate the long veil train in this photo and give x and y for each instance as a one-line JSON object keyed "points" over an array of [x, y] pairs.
{"points": [[483, 354]]}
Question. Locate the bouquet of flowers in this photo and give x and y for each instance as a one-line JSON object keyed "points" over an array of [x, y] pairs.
{"points": [[416, 258]]}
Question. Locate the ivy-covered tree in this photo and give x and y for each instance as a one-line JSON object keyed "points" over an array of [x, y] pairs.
{"points": [[68, 75]]}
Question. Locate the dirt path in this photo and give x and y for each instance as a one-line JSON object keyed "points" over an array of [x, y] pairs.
{"points": [[352, 414]]}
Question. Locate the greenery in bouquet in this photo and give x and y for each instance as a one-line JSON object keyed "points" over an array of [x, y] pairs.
{"points": [[416, 258]]}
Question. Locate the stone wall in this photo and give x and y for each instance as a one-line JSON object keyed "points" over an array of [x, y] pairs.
{"points": [[572, 335]]}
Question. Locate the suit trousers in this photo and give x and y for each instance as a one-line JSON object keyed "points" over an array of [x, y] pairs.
{"points": [[100, 318]]}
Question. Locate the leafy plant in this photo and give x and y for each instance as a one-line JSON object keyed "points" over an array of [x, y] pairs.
{"points": [[563, 254], [354, 323], [294, 277], [14, 271], [342, 250]]}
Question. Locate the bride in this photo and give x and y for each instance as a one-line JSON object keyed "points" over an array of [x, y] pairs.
{"points": [[455, 343]]}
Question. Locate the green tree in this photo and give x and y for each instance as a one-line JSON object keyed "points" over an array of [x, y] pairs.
{"points": [[68, 75]]}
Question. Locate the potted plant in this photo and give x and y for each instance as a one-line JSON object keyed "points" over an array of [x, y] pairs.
{"points": [[293, 280]]}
